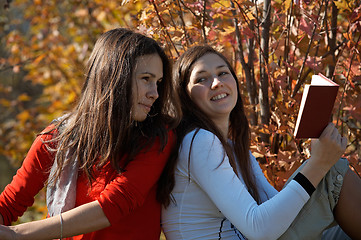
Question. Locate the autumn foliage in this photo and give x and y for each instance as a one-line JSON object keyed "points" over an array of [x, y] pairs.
{"points": [[275, 47]]}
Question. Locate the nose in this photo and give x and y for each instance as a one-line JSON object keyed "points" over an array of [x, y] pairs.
{"points": [[216, 82], [153, 91]]}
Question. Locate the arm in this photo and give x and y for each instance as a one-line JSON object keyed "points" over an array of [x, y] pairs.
{"points": [[313, 170], [266, 190], [83, 219], [231, 196], [27, 182]]}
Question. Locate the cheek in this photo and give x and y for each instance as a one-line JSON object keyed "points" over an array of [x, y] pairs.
{"points": [[135, 90], [140, 91], [231, 82], [198, 96]]}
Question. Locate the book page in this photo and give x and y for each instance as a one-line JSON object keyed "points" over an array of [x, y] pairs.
{"points": [[302, 105], [321, 80]]}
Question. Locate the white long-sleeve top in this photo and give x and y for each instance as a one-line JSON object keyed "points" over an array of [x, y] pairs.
{"points": [[213, 203]]}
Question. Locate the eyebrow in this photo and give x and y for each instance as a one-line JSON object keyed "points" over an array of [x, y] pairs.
{"points": [[220, 66], [144, 73], [151, 74]]}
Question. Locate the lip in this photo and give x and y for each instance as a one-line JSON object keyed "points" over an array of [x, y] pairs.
{"points": [[147, 107], [227, 94]]}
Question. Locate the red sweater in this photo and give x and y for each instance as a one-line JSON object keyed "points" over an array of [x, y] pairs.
{"points": [[128, 199]]}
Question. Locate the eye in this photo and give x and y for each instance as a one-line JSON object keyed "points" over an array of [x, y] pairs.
{"points": [[159, 80], [223, 73], [201, 79], [145, 78]]}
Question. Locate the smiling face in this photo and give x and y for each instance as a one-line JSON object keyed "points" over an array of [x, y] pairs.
{"points": [[146, 76], [213, 88]]}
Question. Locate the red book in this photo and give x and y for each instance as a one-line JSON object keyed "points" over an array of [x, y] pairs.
{"points": [[316, 107]]}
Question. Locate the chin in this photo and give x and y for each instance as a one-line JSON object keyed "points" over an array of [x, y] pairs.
{"points": [[139, 118]]}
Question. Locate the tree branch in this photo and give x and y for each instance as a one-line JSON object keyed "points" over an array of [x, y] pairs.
{"points": [[299, 82], [248, 70], [204, 21], [181, 15], [346, 83], [163, 26]]}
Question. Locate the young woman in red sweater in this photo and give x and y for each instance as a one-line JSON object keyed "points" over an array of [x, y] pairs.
{"points": [[101, 162]]}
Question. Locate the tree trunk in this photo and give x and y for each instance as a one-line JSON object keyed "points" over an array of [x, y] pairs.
{"points": [[332, 40], [247, 67], [250, 81], [263, 92]]}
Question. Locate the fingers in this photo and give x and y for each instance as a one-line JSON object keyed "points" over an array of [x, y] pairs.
{"points": [[327, 132], [335, 135], [330, 133]]}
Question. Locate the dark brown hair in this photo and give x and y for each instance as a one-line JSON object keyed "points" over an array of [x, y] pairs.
{"points": [[100, 127], [194, 118]]}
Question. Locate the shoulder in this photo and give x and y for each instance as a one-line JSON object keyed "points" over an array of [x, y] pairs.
{"points": [[201, 153], [48, 133], [201, 143], [41, 152], [200, 136], [161, 144], [45, 140]]}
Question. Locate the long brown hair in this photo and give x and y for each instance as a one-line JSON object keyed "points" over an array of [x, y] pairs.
{"points": [[100, 127], [194, 118]]}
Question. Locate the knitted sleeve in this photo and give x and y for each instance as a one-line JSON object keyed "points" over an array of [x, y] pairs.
{"points": [[28, 181]]}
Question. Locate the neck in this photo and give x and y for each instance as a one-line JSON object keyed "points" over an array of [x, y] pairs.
{"points": [[223, 126]]}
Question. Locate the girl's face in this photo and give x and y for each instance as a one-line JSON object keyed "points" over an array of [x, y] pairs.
{"points": [[212, 87], [147, 74]]}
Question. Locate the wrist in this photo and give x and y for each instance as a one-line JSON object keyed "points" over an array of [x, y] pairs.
{"points": [[319, 164], [314, 172]]}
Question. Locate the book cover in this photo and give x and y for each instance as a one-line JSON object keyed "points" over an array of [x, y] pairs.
{"points": [[316, 107]]}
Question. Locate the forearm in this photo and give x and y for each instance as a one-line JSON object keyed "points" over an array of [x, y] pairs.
{"points": [[83, 219]]}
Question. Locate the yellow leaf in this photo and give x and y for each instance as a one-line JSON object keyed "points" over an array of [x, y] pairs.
{"points": [[23, 97], [138, 6], [23, 116], [71, 97], [5, 102], [287, 4], [279, 1], [251, 15], [341, 5], [39, 58], [229, 30], [221, 3]]}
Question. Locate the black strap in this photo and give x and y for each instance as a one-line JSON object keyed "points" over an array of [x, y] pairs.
{"points": [[305, 183]]}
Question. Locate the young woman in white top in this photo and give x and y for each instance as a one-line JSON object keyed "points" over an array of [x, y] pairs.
{"points": [[219, 189]]}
